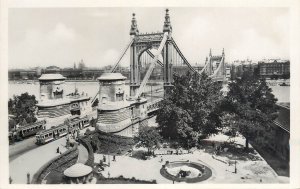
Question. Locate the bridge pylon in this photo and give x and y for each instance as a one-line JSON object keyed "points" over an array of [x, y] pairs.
{"points": [[134, 66], [167, 55], [144, 42]]}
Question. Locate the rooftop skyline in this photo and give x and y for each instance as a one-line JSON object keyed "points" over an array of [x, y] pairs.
{"points": [[62, 36]]}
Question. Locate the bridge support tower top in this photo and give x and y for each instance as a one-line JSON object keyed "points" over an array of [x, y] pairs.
{"points": [[143, 42]]}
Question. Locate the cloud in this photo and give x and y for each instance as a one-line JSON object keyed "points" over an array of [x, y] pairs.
{"points": [[61, 32]]}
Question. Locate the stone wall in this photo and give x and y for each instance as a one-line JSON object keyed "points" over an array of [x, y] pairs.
{"points": [[85, 141]]}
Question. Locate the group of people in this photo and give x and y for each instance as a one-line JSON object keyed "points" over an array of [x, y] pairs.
{"points": [[102, 161]]}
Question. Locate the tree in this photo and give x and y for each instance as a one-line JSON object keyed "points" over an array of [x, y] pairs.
{"points": [[23, 108], [252, 106], [191, 110], [148, 137]]}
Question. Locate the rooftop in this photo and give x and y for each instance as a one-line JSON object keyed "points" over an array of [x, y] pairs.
{"points": [[78, 170], [111, 106], [52, 77], [111, 76], [53, 102]]}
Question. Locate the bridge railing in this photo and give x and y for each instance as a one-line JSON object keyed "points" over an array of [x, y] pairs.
{"points": [[154, 105]]}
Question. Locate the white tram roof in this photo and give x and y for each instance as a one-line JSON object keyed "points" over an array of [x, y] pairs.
{"points": [[52, 77], [78, 170]]}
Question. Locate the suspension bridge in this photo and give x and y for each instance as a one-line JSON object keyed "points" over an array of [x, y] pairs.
{"points": [[153, 54]]}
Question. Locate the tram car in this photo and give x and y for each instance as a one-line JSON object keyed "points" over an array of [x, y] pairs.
{"points": [[27, 130], [70, 126]]}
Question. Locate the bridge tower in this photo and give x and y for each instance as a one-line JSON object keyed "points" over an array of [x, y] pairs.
{"points": [[142, 43], [134, 66], [167, 54]]}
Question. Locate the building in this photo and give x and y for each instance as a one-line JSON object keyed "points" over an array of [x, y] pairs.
{"points": [[24, 74], [238, 67], [274, 69], [54, 105], [115, 113]]}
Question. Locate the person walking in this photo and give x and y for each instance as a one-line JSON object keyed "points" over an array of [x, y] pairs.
{"points": [[28, 178], [57, 150]]}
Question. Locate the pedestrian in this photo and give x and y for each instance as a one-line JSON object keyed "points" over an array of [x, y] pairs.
{"points": [[10, 180], [114, 158], [108, 174], [104, 158], [28, 178], [161, 159], [57, 150]]}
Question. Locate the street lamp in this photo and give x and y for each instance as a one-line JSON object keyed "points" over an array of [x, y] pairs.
{"points": [[188, 146], [108, 149], [235, 169]]}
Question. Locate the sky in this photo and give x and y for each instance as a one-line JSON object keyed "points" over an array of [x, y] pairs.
{"points": [[62, 36]]}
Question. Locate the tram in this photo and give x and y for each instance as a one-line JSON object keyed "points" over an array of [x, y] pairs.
{"points": [[26, 131], [61, 130]]}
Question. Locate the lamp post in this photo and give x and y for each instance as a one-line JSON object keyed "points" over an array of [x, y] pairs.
{"points": [[108, 150], [151, 91], [235, 169], [188, 146]]}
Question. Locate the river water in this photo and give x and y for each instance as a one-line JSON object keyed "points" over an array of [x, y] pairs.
{"points": [[282, 93]]}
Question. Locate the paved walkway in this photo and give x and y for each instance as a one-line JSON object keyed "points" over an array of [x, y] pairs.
{"points": [[21, 147], [31, 161], [83, 154], [247, 171]]}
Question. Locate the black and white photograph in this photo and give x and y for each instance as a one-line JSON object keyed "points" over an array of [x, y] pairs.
{"points": [[149, 95]]}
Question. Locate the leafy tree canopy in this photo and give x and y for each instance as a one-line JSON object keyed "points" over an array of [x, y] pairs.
{"points": [[191, 110], [23, 108], [148, 137], [250, 105]]}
